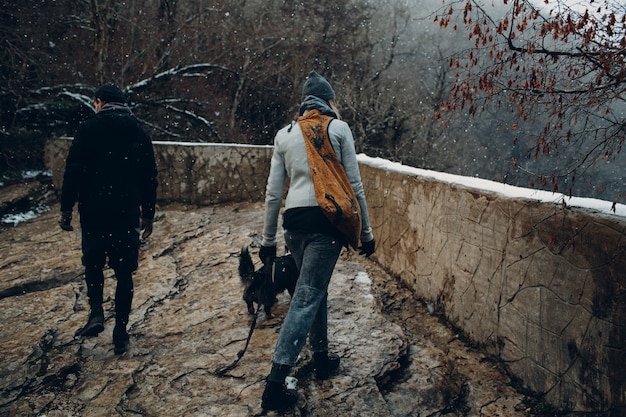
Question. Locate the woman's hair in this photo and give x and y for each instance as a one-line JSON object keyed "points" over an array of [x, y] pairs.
{"points": [[333, 106]]}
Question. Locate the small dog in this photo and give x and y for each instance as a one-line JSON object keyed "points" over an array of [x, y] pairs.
{"points": [[262, 286]]}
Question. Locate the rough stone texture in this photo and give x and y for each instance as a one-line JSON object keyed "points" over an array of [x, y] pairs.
{"points": [[189, 321], [206, 173], [539, 285]]}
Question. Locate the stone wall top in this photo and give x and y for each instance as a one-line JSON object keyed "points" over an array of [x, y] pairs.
{"points": [[480, 185], [194, 173]]}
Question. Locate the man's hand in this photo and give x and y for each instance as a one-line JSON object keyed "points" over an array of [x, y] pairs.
{"points": [[66, 221], [146, 226], [367, 248], [267, 252]]}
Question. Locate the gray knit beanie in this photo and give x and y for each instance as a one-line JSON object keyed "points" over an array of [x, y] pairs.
{"points": [[110, 93], [317, 86]]}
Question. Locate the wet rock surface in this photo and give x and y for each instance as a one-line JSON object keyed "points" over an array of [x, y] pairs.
{"points": [[189, 322]]}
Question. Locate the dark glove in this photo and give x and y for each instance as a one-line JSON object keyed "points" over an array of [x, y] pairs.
{"points": [[146, 226], [367, 248], [66, 221], [267, 252]]}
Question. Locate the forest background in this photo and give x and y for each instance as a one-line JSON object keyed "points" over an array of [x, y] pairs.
{"points": [[414, 79]]}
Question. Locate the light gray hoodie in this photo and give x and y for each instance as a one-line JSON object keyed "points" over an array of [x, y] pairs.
{"points": [[290, 161]]}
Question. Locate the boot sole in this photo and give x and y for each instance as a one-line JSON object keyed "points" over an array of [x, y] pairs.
{"points": [[91, 331], [280, 405], [119, 349], [280, 408]]}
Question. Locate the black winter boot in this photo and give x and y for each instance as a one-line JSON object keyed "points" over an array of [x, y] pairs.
{"points": [[120, 338], [325, 363], [95, 323], [278, 397], [123, 302]]}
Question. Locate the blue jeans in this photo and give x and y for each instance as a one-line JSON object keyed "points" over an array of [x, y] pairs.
{"points": [[316, 255]]}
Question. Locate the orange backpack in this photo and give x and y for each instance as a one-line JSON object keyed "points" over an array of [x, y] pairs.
{"points": [[333, 191]]}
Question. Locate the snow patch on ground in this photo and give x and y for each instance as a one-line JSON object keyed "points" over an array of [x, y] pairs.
{"points": [[16, 218]]}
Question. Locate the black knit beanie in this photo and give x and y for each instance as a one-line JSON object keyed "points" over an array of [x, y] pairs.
{"points": [[317, 86], [110, 93]]}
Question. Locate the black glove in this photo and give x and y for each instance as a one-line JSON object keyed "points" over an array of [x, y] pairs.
{"points": [[367, 248], [66, 221], [267, 252], [146, 226]]}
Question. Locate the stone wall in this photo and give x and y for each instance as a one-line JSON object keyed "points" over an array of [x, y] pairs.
{"points": [[538, 285], [199, 173]]}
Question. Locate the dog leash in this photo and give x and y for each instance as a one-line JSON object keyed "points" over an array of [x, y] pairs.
{"points": [[222, 371]]}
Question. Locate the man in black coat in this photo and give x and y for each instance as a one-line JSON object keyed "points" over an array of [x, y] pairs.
{"points": [[111, 173]]}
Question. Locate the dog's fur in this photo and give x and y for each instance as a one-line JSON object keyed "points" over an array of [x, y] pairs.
{"points": [[259, 287]]}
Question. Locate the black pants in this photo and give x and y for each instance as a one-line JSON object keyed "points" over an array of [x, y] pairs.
{"points": [[121, 248]]}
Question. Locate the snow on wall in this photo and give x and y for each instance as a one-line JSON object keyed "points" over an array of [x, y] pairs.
{"points": [[601, 206]]}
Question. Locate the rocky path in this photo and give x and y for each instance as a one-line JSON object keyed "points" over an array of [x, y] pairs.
{"points": [[189, 321]]}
